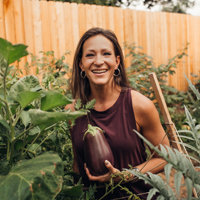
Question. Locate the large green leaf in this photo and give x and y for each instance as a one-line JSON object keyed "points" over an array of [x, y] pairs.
{"points": [[26, 97], [27, 83], [38, 178], [73, 191], [25, 118], [54, 99], [39, 117], [10, 52]]}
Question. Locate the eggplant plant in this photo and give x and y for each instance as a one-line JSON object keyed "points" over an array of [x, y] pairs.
{"points": [[28, 111]]}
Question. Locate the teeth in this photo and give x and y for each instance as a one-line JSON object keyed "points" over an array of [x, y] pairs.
{"points": [[99, 71]]}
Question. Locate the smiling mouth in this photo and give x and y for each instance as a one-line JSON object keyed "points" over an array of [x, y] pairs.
{"points": [[99, 71]]}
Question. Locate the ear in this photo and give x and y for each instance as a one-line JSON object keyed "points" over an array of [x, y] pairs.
{"points": [[117, 61], [81, 66]]}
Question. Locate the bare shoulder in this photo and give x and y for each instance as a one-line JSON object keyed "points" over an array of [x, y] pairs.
{"points": [[141, 104], [70, 106]]}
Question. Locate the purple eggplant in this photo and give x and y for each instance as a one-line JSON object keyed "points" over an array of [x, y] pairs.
{"points": [[97, 150]]}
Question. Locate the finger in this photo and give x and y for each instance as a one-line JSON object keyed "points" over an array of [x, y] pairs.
{"points": [[110, 168]]}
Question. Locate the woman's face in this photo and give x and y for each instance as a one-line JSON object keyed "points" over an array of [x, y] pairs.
{"points": [[98, 60]]}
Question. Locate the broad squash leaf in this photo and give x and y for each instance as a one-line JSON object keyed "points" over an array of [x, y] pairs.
{"points": [[54, 99], [37, 178], [10, 52]]}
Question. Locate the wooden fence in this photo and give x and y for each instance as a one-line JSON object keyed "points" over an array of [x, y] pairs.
{"points": [[57, 26]]}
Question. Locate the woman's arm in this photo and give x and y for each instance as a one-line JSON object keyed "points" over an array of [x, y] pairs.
{"points": [[149, 125]]}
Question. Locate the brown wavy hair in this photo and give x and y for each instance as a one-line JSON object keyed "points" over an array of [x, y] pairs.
{"points": [[80, 87]]}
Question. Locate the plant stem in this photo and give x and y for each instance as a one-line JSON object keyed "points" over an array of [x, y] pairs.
{"points": [[21, 134], [44, 140], [111, 189]]}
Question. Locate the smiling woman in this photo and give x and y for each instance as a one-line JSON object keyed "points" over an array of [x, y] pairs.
{"points": [[99, 73]]}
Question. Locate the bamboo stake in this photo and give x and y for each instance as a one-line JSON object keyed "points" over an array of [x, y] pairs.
{"points": [[167, 118]]}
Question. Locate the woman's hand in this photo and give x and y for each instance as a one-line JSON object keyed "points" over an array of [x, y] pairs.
{"points": [[117, 175]]}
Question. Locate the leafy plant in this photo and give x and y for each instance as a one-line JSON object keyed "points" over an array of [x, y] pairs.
{"points": [[138, 74], [175, 159], [27, 112]]}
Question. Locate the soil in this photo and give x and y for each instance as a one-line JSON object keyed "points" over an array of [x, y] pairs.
{"points": [[183, 190]]}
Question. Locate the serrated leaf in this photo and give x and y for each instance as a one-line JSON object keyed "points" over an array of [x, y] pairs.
{"points": [[77, 105], [167, 169], [90, 104], [196, 92], [54, 99], [177, 181], [152, 192], [188, 184]]}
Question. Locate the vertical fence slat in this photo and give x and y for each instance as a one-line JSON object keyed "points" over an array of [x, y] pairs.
{"points": [[19, 29], [119, 25], [81, 19], [54, 28], [75, 26], [111, 24], [46, 32], [28, 28], [88, 16], [128, 33], [69, 45], [61, 27], [100, 17], [94, 15], [9, 21], [142, 30], [2, 20]]}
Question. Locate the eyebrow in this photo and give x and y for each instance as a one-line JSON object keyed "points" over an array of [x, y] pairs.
{"points": [[101, 50]]}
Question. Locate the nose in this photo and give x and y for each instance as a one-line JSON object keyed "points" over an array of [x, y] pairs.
{"points": [[98, 60]]}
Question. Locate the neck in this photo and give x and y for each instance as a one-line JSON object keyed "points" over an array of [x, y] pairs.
{"points": [[105, 96]]}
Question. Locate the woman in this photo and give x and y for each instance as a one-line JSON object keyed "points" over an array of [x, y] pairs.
{"points": [[99, 73]]}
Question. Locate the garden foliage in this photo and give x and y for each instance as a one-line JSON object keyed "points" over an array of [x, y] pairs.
{"points": [[35, 146]]}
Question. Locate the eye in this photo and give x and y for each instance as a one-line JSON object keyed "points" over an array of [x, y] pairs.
{"points": [[89, 55], [107, 53]]}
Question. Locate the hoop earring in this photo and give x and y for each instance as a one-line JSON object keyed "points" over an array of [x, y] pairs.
{"points": [[82, 74], [117, 72]]}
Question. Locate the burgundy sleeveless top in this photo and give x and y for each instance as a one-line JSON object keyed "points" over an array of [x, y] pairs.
{"points": [[118, 123]]}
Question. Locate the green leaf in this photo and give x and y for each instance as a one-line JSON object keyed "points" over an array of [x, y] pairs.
{"points": [[196, 92], [19, 144], [39, 117], [10, 52], [152, 192], [4, 123], [77, 105], [38, 178], [26, 97], [73, 191], [54, 99], [188, 184], [167, 169], [34, 131], [90, 104], [177, 181], [25, 118], [27, 83]]}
